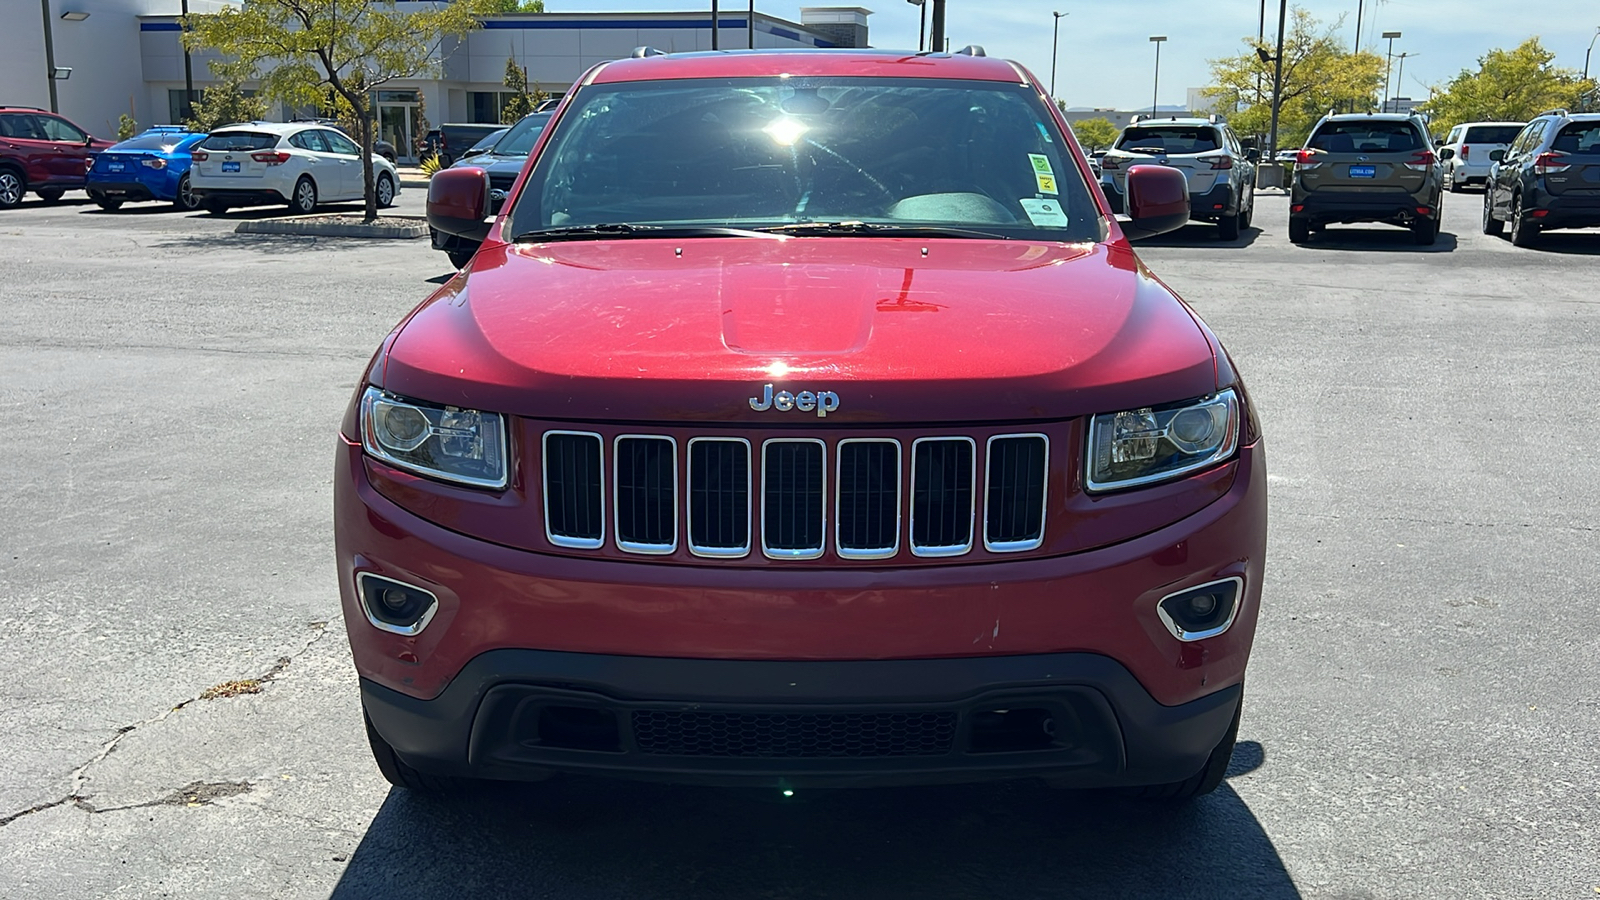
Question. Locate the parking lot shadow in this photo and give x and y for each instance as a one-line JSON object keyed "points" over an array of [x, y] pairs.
{"points": [[1200, 234], [1576, 243], [1382, 238], [579, 837]]}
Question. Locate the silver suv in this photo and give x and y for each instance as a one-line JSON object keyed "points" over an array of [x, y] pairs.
{"points": [[1221, 173], [1472, 148]]}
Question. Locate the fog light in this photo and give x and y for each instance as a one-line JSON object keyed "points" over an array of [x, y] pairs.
{"points": [[393, 606], [1201, 612]]}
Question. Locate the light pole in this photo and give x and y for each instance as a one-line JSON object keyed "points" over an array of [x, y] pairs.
{"points": [[1277, 83], [1400, 78], [49, 56], [749, 24], [1055, 45], [714, 24], [1359, 5], [1158, 40], [922, 16], [1586, 54], [1389, 36], [936, 42]]}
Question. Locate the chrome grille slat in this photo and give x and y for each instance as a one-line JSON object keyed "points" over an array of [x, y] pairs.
{"points": [[646, 493], [793, 498], [1014, 506], [867, 510], [719, 497], [574, 491], [942, 473]]}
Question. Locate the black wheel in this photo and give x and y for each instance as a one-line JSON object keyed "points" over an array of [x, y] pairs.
{"points": [[215, 207], [445, 160], [1491, 225], [385, 191], [303, 200], [398, 773], [460, 258], [389, 156], [185, 199], [1228, 228], [1299, 231], [51, 195], [1455, 186], [1523, 232], [1425, 231], [12, 187], [109, 204], [1248, 216], [1204, 781]]}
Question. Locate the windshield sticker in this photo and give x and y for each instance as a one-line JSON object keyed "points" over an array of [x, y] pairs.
{"points": [[1044, 213], [1047, 183], [1041, 164], [1046, 132]]}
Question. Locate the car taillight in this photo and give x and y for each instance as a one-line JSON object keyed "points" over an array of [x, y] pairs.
{"points": [[1107, 164], [199, 156], [271, 157], [89, 163], [1421, 162], [1306, 159], [1545, 163], [1466, 151], [155, 163], [1218, 162]]}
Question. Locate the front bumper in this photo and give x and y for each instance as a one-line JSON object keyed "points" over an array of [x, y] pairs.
{"points": [[1079, 719]]}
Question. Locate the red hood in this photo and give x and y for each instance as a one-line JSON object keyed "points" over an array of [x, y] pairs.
{"points": [[635, 330]]}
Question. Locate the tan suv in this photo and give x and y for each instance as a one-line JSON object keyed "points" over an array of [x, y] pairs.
{"points": [[1366, 167]]}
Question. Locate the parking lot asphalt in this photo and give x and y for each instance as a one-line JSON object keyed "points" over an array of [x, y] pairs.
{"points": [[1423, 706]]}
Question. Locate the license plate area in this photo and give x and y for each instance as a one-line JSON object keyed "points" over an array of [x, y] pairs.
{"points": [[115, 167], [1363, 171], [230, 167]]}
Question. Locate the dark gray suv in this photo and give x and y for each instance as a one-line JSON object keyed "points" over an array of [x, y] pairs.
{"points": [[1549, 178], [1366, 167]]}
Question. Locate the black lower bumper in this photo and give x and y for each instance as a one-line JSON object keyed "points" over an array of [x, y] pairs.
{"points": [[452, 243], [1399, 207], [239, 198], [1079, 719], [1213, 203], [1565, 210], [123, 190]]}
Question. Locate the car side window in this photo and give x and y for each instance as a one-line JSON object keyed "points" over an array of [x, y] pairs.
{"points": [[61, 130], [22, 126], [312, 140], [338, 143], [1535, 135]]}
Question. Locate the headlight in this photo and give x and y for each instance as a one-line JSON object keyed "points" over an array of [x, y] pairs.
{"points": [[451, 444], [1143, 446]]}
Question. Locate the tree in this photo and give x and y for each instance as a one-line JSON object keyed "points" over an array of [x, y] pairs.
{"points": [[303, 52], [1095, 134], [522, 101], [126, 127], [1319, 74], [501, 7], [226, 101], [1508, 86]]}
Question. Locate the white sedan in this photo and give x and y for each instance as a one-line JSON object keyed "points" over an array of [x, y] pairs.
{"points": [[299, 163]]}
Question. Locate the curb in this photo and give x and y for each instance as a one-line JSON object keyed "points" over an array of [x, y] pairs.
{"points": [[414, 183], [415, 228]]}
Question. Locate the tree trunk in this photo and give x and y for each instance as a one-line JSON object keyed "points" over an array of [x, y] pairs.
{"points": [[368, 183]]}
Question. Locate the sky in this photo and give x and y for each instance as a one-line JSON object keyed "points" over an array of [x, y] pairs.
{"points": [[1106, 58]]}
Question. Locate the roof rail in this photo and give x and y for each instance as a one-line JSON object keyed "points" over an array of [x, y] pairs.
{"points": [[1137, 118], [167, 129], [1558, 111], [971, 50], [645, 52]]}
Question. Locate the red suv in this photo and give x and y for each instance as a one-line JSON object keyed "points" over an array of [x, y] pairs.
{"points": [[42, 152], [804, 420]]}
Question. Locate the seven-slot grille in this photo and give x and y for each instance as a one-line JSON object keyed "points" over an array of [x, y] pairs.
{"points": [[779, 494]]}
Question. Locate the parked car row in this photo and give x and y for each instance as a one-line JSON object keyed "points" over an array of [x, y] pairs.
{"points": [[1220, 172]]}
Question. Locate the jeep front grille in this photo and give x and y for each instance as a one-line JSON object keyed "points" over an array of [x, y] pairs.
{"points": [[735, 495]]}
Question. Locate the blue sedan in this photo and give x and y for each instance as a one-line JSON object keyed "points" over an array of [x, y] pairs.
{"points": [[149, 166]]}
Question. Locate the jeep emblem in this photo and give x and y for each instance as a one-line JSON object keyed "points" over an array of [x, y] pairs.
{"points": [[823, 402]]}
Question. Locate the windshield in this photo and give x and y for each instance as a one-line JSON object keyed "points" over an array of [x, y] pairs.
{"points": [[1492, 134], [1169, 139], [1579, 137], [519, 140], [768, 152], [239, 140], [163, 141], [1378, 136]]}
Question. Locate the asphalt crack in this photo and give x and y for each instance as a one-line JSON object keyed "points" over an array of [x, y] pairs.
{"points": [[203, 792]]}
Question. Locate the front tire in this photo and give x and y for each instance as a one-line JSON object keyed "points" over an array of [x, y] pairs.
{"points": [[303, 199], [1299, 231], [185, 199], [1425, 232], [1203, 782], [109, 204], [1455, 186], [1523, 232], [12, 187], [460, 258], [51, 195], [385, 191]]}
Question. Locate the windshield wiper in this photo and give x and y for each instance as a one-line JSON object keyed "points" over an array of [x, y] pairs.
{"points": [[882, 229], [628, 230]]}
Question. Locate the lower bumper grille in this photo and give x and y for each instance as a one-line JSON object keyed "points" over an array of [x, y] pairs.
{"points": [[794, 735]]}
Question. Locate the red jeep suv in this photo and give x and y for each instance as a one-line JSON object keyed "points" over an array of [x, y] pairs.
{"points": [[804, 420], [42, 152]]}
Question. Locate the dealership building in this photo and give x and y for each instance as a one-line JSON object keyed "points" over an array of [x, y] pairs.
{"points": [[116, 57]]}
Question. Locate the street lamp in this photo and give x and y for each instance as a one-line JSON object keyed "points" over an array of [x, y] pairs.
{"points": [[1277, 83], [1055, 44], [1359, 5], [1158, 40], [922, 16], [1586, 54], [1389, 36], [1400, 77]]}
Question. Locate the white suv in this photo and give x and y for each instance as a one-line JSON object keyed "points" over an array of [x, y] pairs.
{"points": [[301, 164], [1474, 147], [1222, 175]]}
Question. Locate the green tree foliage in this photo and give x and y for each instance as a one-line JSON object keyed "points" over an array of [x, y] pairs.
{"points": [[522, 100], [502, 7], [1319, 74], [226, 101], [1095, 134], [126, 127], [304, 51], [1508, 86]]}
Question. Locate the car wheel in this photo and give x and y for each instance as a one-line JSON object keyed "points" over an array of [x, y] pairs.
{"points": [[1248, 215], [1203, 782], [304, 198], [1299, 231], [445, 160], [185, 199], [385, 191], [1491, 225], [1523, 233], [398, 773], [460, 258], [1425, 231], [215, 207], [1228, 228], [11, 189], [389, 156], [109, 204], [51, 195], [1450, 179]]}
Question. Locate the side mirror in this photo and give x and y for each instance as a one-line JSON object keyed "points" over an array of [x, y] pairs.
{"points": [[458, 202], [1496, 155], [1447, 153], [1252, 156], [1158, 201]]}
